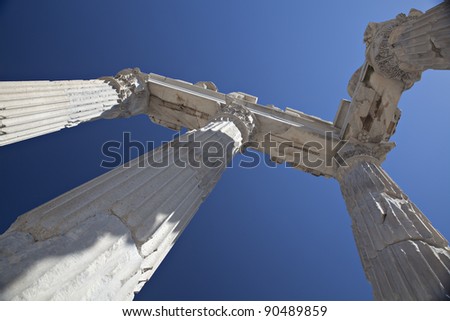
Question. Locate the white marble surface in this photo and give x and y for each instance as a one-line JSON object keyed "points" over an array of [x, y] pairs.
{"points": [[104, 239]]}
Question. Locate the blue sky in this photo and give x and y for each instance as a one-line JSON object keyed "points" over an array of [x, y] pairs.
{"points": [[264, 233]]}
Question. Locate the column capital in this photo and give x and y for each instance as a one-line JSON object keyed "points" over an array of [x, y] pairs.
{"points": [[379, 39], [355, 152], [134, 93], [236, 112]]}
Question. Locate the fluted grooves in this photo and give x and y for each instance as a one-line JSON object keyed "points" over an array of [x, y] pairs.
{"points": [[403, 256], [47, 219], [97, 255], [122, 187], [160, 250], [32, 108], [148, 207], [165, 236], [425, 42]]}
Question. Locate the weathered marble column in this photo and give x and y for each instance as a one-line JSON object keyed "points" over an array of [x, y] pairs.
{"points": [[424, 42], [404, 47], [33, 108], [104, 239], [403, 256]]}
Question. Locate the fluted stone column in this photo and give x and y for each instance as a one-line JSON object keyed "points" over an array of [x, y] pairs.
{"points": [[424, 42], [33, 108], [104, 239], [403, 255], [404, 47]]}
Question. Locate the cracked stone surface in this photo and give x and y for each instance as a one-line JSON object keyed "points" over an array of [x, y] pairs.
{"points": [[424, 43], [403, 255]]}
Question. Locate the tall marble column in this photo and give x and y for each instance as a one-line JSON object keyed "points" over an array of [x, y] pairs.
{"points": [[403, 255], [104, 239], [33, 108]]}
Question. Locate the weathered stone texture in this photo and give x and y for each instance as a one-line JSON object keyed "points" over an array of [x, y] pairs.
{"points": [[104, 239], [403, 255], [424, 43]]}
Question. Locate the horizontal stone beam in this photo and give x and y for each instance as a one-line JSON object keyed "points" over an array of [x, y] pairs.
{"points": [[30, 109], [176, 104]]}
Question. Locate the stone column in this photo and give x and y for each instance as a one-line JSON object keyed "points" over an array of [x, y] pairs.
{"points": [[104, 239], [403, 255], [402, 48], [33, 108], [424, 42]]}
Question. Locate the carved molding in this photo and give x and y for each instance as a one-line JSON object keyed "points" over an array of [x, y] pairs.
{"points": [[131, 85], [355, 152], [207, 85], [239, 115]]}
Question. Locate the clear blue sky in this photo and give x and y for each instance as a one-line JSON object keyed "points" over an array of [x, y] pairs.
{"points": [[264, 233]]}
